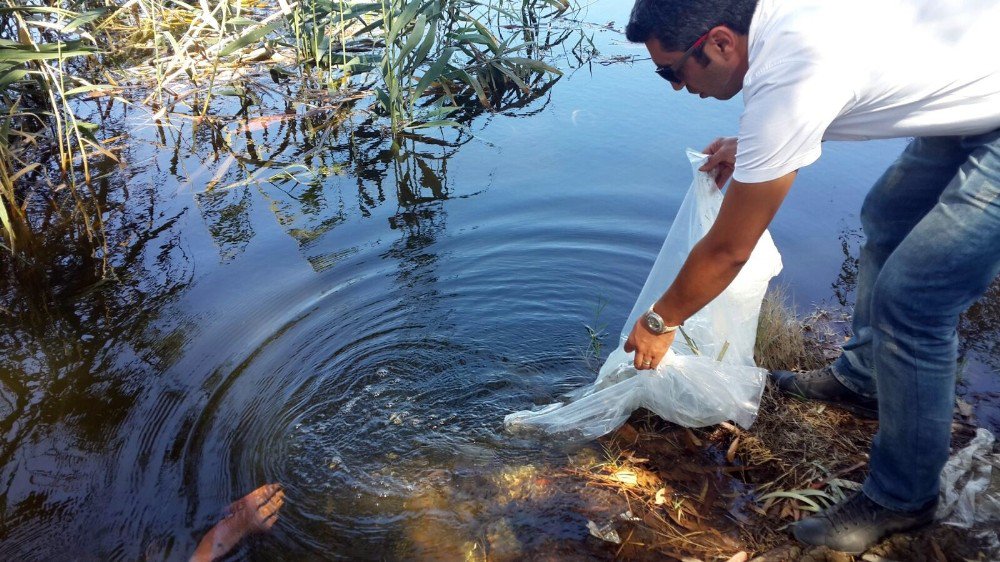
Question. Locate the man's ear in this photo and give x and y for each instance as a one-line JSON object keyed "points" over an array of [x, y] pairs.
{"points": [[722, 42]]}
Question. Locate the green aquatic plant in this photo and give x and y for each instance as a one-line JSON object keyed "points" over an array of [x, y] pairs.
{"points": [[597, 330]]}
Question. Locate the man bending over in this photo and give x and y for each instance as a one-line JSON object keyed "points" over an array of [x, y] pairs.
{"points": [[814, 70]]}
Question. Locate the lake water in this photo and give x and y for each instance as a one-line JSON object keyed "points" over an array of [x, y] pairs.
{"points": [[359, 338]]}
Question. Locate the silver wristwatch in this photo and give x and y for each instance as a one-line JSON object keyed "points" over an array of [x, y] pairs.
{"points": [[656, 324]]}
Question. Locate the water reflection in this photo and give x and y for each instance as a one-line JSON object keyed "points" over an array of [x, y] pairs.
{"points": [[847, 278], [226, 213], [979, 334], [980, 327], [79, 345]]}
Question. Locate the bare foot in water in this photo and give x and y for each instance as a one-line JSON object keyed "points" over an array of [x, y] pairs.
{"points": [[255, 512]]}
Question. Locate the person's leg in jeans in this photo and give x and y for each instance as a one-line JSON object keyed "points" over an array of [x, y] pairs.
{"points": [[906, 192], [939, 269], [935, 273]]}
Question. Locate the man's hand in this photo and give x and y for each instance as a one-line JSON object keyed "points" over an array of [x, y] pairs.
{"points": [[713, 263], [721, 159], [649, 348]]}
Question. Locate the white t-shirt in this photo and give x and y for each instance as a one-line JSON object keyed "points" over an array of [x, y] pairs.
{"points": [[861, 69]]}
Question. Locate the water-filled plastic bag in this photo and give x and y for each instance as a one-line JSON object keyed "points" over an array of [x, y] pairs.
{"points": [[718, 381]]}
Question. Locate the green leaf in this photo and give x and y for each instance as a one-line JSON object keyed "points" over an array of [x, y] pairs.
{"points": [[493, 44], [434, 72], [397, 22], [88, 88], [77, 45], [359, 64], [514, 77], [358, 10], [414, 37], [241, 22], [9, 77], [400, 21], [440, 110], [37, 10], [87, 129], [425, 47], [48, 51], [84, 18], [474, 83], [252, 36], [519, 46], [534, 64], [383, 99], [472, 38], [378, 22]]}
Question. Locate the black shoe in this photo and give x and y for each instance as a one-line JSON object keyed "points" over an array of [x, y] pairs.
{"points": [[857, 523], [823, 386]]}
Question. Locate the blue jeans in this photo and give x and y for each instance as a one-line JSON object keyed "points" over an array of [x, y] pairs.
{"points": [[932, 226]]}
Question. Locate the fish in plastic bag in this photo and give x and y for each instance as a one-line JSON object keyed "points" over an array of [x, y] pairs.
{"points": [[708, 375]]}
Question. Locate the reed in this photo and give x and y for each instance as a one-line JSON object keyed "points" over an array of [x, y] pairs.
{"points": [[38, 83]]}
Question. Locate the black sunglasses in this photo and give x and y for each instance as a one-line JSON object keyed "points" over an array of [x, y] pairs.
{"points": [[670, 73]]}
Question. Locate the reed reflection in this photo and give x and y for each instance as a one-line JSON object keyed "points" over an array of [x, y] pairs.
{"points": [[299, 144], [81, 339], [980, 328]]}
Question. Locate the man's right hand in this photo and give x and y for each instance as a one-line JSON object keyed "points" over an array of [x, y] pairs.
{"points": [[721, 159]]}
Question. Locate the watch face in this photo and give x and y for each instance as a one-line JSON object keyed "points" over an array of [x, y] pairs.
{"points": [[653, 322]]}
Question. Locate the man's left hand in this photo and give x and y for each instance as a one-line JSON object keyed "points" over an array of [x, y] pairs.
{"points": [[649, 347]]}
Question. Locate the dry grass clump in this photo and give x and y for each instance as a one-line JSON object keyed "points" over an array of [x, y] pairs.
{"points": [[786, 342], [780, 340]]}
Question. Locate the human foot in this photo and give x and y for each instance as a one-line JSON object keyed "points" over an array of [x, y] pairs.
{"points": [[255, 512]]}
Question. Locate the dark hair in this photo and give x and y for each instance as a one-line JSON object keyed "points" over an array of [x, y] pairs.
{"points": [[677, 24]]}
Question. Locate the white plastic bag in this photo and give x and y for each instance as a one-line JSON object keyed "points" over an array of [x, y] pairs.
{"points": [[970, 487], [687, 388]]}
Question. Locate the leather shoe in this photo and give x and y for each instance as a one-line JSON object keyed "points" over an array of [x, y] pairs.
{"points": [[856, 524], [822, 385]]}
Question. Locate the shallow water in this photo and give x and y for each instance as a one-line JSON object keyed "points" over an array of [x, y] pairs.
{"points": [[359, 338]]}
